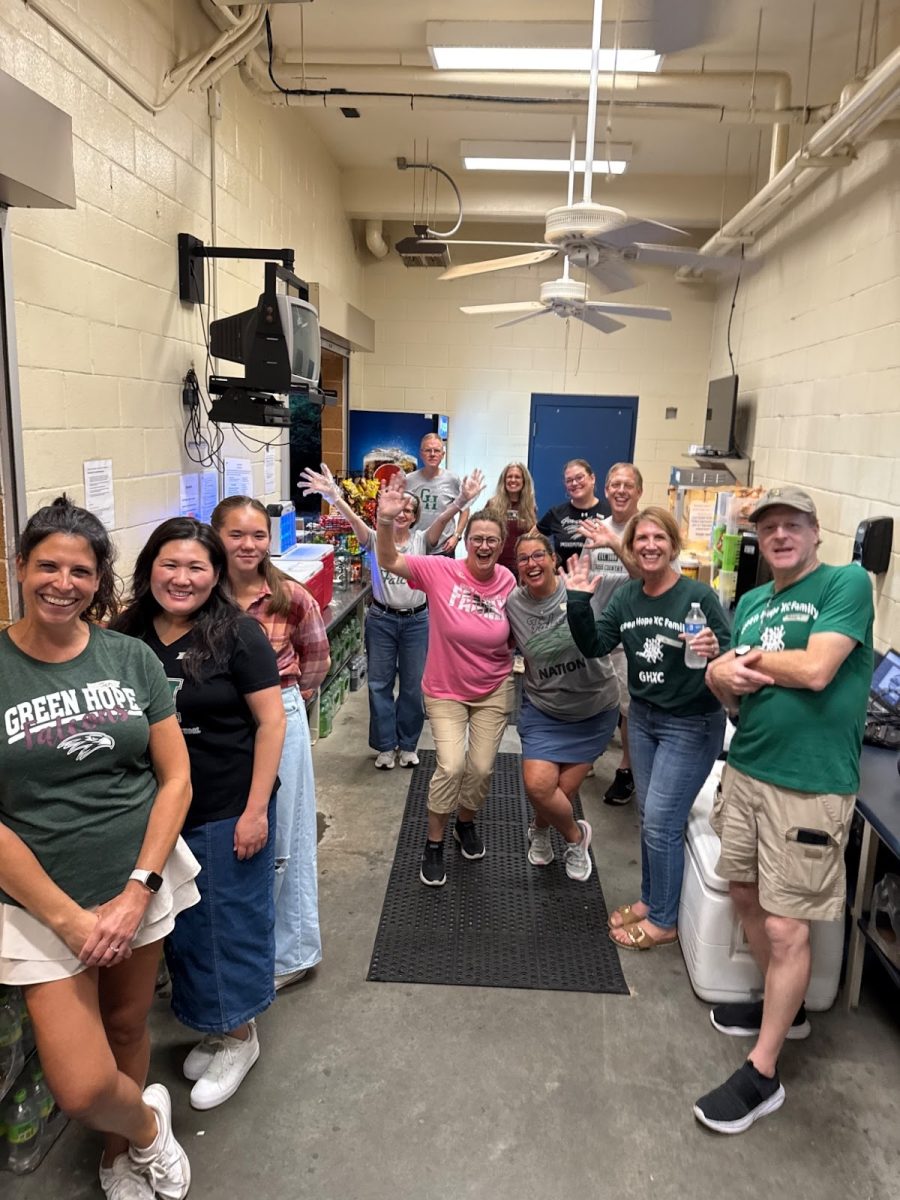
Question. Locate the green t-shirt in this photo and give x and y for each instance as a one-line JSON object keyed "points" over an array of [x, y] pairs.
{"points": [[76, 783], [795, 737], [648, 628]]}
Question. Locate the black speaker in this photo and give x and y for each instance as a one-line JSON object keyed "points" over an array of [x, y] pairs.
{"points": [[872, 546]]}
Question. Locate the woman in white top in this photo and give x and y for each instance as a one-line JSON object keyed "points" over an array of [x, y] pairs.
{"points": [[397, 621]]}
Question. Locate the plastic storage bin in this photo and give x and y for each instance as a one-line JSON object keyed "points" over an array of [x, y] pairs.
{"points": [[713, 943], [311, 564]]}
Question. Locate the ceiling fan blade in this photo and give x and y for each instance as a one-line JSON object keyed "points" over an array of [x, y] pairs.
{"points": [[671, 256], [529, 306], [650, 311], [613, 276], [642, 231], [463, 270], [598, 321], [524, 245], [544, 310]]}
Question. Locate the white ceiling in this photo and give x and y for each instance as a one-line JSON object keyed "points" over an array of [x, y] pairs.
{"points": [[684, 168]]}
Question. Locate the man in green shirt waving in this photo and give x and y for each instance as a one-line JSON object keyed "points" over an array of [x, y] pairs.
{"points": [[799, 676]]}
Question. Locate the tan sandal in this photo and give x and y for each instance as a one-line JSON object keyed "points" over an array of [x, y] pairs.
{"points": [[626, 913], [640, 939]]}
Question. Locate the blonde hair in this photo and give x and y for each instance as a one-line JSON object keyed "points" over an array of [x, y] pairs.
{"points": [[660, 517], [499, 503]]}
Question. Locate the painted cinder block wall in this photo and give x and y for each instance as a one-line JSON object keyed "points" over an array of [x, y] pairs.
{"points": [[103, 340]]}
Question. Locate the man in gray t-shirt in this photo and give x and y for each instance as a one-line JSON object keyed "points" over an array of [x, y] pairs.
{"points": [[436, 489]]}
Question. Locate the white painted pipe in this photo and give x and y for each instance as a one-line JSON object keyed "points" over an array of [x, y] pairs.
{"points": [[375, 239]]}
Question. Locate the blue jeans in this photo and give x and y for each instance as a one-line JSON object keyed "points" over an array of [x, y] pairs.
{"points": [[671, 757], [395, 645], [298, 942]]}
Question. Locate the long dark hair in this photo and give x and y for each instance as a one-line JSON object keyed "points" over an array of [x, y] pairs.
{"points": [[276, 580], [215, 624], [62, 516]]}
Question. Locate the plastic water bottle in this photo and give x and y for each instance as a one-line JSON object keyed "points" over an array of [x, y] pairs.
{"points": [[11, 1056], [23, 1133], [42, 1100], [694, 622]]}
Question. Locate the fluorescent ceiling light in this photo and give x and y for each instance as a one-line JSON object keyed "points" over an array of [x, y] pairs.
{"points": [[542, 156], [534, 58]]}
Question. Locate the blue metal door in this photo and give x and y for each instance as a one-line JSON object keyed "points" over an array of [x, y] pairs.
{"points": [[600, 429]]}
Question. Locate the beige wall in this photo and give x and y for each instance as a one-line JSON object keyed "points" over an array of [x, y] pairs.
{"points": [[430, 357], [103, 340], [816, 339]]}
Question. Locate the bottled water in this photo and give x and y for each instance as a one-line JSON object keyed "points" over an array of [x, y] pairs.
{"points": [[11, 1056], [42, 1099], [23, 1129], [694, 622]]}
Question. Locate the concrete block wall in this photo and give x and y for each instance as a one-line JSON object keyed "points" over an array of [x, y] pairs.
{"points": [[816, 341], [103, 340], [430, 357]]}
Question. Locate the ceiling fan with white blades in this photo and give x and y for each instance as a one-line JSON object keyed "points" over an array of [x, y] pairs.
{"points": [[601, 239]]}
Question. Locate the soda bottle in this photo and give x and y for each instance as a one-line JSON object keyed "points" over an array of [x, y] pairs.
{"points": [[11, 1056], [23, 1129], [694, 622]]}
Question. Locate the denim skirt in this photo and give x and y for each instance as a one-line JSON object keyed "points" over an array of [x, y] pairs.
{"points": [[221, 953], [549, 739]]}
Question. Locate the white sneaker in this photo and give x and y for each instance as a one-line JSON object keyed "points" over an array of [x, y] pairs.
{"points": [[409, 758], [163, 1163], [577, 858], [540, 848], [200, 1057], [122, 1181], [385, 760], [225, 1074], [289, 977]]}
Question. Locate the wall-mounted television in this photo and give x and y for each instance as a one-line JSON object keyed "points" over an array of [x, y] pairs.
{"points": [[721, 403], [280, 348]]}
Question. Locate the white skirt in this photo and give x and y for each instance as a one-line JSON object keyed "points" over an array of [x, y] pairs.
{"points": [[30, 952]]}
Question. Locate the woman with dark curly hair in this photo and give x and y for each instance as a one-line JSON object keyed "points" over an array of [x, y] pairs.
{"points": [[224, 678], [94, 787]]}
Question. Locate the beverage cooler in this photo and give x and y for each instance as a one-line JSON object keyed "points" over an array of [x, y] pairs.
{"points": [[380, 442]]}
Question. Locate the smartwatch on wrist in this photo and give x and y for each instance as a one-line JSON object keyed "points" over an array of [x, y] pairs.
{"points": [[151, 881]]}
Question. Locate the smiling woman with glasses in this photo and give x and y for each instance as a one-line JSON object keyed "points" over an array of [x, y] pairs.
{"points": [[561, 525], [569, 708], [467, 681]]}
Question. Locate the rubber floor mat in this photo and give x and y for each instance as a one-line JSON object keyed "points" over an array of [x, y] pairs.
{"points": [[498, 921]]}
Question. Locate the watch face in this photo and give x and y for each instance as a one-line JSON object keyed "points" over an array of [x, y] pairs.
{"points": [[154, 881]]}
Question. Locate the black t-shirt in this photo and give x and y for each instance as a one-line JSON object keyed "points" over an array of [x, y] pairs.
{"points": [[216, 720], [560, 525]]}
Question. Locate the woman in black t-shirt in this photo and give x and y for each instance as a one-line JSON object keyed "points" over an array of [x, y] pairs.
{"points": [[226, 685]]}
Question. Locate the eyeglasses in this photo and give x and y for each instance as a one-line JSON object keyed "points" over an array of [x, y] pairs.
{"points": [[537, 555], [490, 542], [574, 480]]}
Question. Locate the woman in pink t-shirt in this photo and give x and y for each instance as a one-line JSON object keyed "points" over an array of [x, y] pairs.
{"points": [[467, 681]]}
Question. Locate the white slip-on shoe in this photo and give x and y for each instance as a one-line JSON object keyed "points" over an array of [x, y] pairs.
{"points": [[226, 1071]]}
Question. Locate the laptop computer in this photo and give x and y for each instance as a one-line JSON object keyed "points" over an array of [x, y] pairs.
{"points": [[883, 710]]}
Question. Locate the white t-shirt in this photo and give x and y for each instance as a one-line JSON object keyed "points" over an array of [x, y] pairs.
{"points": [[434, 496], [392, 590]]}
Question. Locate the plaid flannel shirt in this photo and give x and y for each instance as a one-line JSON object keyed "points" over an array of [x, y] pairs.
{"points": [[298, 638]]}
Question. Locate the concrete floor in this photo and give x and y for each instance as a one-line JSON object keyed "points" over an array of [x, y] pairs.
{"points": [[370, 1091]]}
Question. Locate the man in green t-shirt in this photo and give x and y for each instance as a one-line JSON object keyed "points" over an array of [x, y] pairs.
{"points": [[799, 677]]}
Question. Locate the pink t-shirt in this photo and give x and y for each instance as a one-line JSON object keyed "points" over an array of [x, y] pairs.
{"points": [[468, 633]]}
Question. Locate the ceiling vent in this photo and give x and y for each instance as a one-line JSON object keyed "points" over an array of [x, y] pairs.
{"points": [[423, 252]]}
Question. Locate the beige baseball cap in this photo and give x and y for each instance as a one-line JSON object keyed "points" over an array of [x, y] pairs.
{"points": [[790, 497]]}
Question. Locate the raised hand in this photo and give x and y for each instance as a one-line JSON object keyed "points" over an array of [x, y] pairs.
{"points": [[576, 575], [322, 482], [472, 486], [596, 532], [390, 497]]}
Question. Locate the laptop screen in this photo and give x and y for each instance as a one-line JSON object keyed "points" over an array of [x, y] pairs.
{"points": [[886, 681]]}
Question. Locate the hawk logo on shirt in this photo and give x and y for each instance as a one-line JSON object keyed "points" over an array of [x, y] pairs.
{"points": [[773, 638], [83, 744], [652, 651]]}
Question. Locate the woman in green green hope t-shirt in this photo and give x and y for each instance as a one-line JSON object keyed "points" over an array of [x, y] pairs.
{"points": [[675, 726]]}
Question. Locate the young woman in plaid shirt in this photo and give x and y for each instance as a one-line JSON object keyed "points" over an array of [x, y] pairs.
{"points": [[293, 624]]}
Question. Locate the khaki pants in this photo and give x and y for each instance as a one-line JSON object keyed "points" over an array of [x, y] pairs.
{"points": [[463, 773]]}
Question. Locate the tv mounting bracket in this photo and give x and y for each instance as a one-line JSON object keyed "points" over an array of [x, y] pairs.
{"points": [[191, 283]]}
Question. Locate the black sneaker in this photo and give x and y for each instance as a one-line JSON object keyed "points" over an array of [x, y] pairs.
{"points": [[621, 789], [431, 871], [740, 1100], [744, 1020], [468, 839]]}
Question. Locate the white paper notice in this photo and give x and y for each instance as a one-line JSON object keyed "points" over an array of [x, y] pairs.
{"points": [[98, 490], [700, 520], [238, 477], [190, 496], [209, 494], [269, 462]]}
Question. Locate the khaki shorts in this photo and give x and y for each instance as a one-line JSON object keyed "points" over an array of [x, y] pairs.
{"points": [[620, 666], [791, 843]]}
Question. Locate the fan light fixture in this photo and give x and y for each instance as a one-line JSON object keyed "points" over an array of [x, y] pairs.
{"points": [[541, 156], [527, 46]]}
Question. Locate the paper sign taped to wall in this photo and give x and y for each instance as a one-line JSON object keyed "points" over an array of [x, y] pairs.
{"points": [[98, 490], [700, 520], [269, 463], [189, 505], [209, 494], [238, 477]]}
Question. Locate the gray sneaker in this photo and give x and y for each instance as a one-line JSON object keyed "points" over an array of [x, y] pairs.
{"points": [[577, 857], [540, 848]]}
